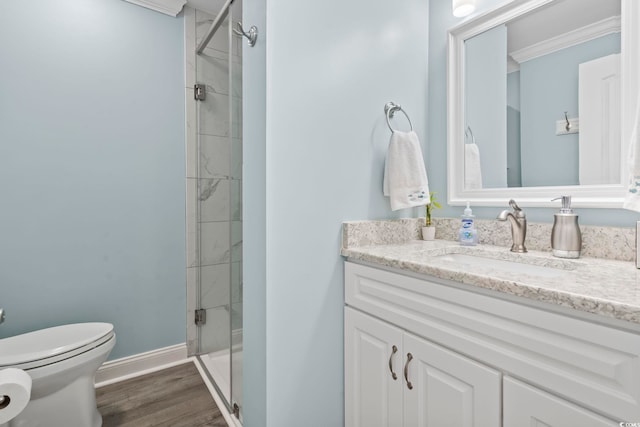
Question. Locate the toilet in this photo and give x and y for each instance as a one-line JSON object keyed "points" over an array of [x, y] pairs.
{"points": [[62, 362]]}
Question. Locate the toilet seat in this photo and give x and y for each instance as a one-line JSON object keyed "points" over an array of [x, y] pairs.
{"points": [[47, 346]]}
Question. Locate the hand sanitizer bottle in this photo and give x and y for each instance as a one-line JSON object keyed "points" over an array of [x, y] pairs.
{"points": [[468, 235]]}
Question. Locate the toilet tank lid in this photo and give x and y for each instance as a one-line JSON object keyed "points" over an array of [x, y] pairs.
{"points": [[50, 342]]}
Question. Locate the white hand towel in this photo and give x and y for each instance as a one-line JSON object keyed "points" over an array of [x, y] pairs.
{"points": [[472, 171], [405, 177]]}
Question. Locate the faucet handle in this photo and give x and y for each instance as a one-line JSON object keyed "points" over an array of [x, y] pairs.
{"points": [[516, 209]]}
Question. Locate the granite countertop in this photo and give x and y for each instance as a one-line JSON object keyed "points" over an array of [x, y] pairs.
{"points": [[608, 288]]}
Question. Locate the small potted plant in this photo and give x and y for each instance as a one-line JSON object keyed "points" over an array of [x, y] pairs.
{"points": [[429, 230]]}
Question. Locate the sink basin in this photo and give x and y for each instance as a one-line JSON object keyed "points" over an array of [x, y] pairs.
{"points": [[506, 266]]}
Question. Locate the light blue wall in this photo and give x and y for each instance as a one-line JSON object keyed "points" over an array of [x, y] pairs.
{"points": [[254, 225], [513, 90], [330, 68], [548, 88], [440, 21], [514, 175], [486, 97], [92, 169]]}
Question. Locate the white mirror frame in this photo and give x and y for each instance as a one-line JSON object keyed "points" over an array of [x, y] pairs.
{"points": [[586, 196]]}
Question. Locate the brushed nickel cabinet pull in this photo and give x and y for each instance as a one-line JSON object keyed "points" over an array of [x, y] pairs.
{"points": [[394, 350], [406, 371]]}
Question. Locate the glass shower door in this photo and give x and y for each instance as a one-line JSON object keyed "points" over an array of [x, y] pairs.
{"points": [[219, 196], [235, 99]]}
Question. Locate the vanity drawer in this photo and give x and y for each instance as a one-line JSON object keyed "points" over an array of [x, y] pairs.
{"points": [[594, 365]]}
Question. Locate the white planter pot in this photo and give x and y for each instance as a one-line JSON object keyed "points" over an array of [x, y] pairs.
{"points": [[428, 233]]}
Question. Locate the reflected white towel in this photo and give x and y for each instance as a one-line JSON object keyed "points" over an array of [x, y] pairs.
{"points": [[632, 200], [405, 177], [472, 171]]}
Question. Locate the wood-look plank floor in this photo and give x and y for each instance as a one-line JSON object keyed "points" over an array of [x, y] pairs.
{"points": [[173, 397]]}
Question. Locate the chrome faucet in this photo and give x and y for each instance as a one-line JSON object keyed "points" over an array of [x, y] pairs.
{"points": [[518, 226], [1, 315]]}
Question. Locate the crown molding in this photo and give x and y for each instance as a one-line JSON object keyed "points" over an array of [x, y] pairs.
{"points": [[168, 7], [572, 38]]}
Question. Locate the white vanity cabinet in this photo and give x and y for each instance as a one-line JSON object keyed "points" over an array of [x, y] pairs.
{"points": [[393, 378], [478, 359], [373, 392], [525, 405]]}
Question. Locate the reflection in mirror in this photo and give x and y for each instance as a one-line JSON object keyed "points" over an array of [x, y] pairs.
{"points": [[534, 168], [542, 98]]}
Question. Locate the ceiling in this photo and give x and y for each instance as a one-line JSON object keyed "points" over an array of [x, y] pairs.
{"points": [[209, 6], [558, 18]]}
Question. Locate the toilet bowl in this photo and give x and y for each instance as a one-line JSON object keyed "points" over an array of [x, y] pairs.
{"points": [[62, 362]]}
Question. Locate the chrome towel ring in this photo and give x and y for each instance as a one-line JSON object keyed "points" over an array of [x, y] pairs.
{"points": [[390, 109]]}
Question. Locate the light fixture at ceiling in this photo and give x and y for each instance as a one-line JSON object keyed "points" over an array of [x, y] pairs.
{"points": [[463, 7]]}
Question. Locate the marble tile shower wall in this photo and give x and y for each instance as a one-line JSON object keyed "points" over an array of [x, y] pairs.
{"points": [[214, 174]]}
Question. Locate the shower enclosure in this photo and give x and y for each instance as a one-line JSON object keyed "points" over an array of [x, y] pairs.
{"points": [[216, 338]]}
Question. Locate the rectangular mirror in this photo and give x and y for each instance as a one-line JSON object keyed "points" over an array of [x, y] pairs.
{"points": [[541, 102]]}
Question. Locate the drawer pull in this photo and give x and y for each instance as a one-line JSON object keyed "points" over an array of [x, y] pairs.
{"points": [[406, 371], [394, 350]]}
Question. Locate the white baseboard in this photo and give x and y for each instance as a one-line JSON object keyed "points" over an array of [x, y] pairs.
{"points": [[139, 364]]}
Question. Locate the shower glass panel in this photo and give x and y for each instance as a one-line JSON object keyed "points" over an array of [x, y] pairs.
{"points": [[235, 99], [219, 115]]}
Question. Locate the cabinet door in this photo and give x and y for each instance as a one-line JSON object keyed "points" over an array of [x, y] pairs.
{"points": [[525, 405], [447, 389], [372, 396]]}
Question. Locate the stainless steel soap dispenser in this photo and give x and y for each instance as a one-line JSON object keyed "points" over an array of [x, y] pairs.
{"points": [[566, 238]]}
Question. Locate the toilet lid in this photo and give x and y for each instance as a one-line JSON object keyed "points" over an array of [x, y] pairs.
{"points": [[50, 345]]}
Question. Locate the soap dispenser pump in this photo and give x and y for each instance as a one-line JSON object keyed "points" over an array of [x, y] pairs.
{"points": [[566, 238]]}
